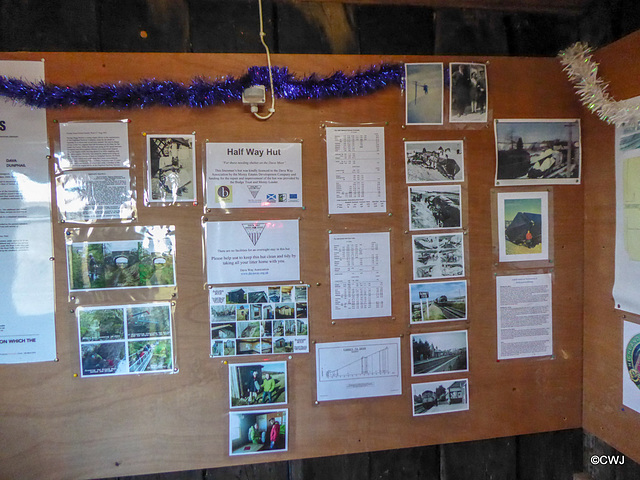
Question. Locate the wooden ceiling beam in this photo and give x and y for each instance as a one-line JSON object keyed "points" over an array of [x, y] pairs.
{"points": [[568, 7]]}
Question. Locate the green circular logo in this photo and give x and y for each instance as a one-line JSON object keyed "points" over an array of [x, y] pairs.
{"points": [[632, 358]]}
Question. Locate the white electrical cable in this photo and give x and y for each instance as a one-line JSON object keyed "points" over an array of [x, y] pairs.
{"points": [[272, 110]]}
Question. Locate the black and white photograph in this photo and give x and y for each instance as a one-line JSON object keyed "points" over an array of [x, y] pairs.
{"points": [[538, 152], [438, 301], [254, 432], [434, 207], [254, 384], [424, 93], [171, 172], [468, 93], [439, 352], [431, 162], [438, 256], [440, 397]]}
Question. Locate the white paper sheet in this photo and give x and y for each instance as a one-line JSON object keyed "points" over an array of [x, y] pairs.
{"points": [[356, 170], [360, 275], [27, 327], [92, 195], [524, 313], [94, 145], [627, 268], [254, 175], [358, 369], [252, 251]]}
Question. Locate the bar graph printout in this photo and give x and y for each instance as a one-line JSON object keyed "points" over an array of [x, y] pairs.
{"points": [[358, 369], [356, 170]]}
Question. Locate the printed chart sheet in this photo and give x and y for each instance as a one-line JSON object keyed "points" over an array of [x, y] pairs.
{"points": [[360, 275], [356, 170], [524, 316], [358, 369]]}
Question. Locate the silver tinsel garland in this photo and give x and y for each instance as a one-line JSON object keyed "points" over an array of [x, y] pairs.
{"points": [[583, 71]]}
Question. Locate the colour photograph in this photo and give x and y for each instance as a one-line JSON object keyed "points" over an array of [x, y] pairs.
{"points": [[468, 92], [438, 301], [523, 226], [439, 352], [121, 264], [440, 397], [438, 256], [435, 207], [253, 432], [252, 384], [441, 161], [125, 339], [171, 172], [424, 93], [259, 320], [538, 152]]}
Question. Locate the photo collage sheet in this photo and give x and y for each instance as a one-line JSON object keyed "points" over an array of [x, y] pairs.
{"points": [[435, 178], [254, 306], [108, 259], [530, 153]]}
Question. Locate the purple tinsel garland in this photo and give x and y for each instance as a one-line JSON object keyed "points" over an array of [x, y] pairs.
{"points": [[200, 92]]}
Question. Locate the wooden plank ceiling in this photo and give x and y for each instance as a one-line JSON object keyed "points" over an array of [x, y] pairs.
{"points": [[540, 6]]}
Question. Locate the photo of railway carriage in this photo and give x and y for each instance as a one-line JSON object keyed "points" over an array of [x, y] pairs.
{"points": [[440, 397]]}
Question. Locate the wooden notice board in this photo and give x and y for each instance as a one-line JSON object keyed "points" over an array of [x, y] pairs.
{"points": [[604, 415], [56, 425]]}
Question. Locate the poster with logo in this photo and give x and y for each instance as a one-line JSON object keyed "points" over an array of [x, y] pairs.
{"points": [[253, 175], [631, 366], [627, 256], [252, 251]]}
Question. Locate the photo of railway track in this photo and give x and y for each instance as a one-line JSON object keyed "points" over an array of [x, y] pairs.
{"points": [[438, 301], [439, 352]]}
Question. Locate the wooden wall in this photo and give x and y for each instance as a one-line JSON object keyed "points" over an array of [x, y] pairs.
{"points": [[603, 349], [57, 426]]}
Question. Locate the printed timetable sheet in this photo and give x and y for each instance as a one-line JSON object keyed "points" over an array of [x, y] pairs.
{"points": [[356, 170], [360, 275]]}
